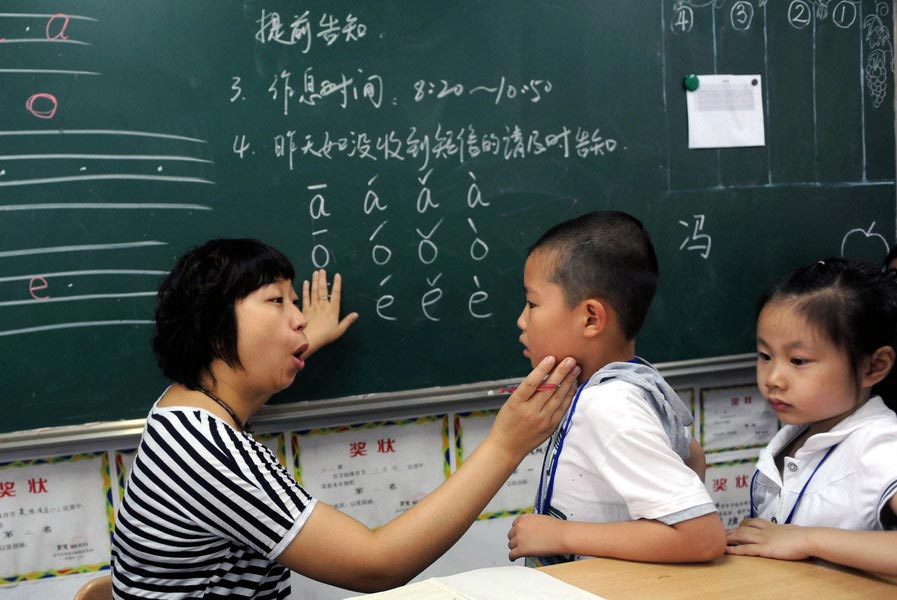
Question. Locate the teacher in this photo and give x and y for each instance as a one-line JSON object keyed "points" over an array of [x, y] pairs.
{"points": [[209, 512]]}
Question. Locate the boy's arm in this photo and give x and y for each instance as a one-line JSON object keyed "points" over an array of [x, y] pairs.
{"points": [[695, 540], [874, 551], [628, 451], [696, 461]]}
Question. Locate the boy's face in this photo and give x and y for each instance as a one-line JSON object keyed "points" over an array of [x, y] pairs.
{"points": [[547, 325]]}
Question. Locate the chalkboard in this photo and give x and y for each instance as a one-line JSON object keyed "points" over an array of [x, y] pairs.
{"points": [[418, 148]]}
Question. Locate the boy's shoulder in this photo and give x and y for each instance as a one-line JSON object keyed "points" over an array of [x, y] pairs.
{"points": [[637, 374], [634, 395], [616, 401]]}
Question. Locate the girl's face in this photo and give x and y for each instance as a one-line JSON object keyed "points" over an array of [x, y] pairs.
{"points": [[802, 375], [270, 337]]}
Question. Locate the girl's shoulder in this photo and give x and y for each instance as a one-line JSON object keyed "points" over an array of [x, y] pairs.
{"points": [[873, 442], [877, 420]]}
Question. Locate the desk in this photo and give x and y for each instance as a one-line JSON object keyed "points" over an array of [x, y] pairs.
{"points": [[729, 578]]}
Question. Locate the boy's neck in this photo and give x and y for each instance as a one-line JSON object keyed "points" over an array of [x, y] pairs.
{"points": [[619, 353]]}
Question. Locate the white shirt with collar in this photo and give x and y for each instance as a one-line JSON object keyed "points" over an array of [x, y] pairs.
{"points": [[849, 490]]}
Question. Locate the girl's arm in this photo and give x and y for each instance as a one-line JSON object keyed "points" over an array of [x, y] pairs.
{"points": [[874, 551], [322, 311], [335, 548], [695, 540]]}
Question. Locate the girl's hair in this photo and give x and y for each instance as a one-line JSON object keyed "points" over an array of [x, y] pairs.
{"points": [[852, 304], [195, 321], [887, 261]]}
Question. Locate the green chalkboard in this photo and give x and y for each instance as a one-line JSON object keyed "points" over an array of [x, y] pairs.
{"points": [[418, 148]]}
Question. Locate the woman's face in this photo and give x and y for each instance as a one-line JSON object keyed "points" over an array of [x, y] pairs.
{"points": [[270, 336]]}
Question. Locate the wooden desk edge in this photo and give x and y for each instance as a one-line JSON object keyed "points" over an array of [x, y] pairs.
{"points": [[732, 577]]}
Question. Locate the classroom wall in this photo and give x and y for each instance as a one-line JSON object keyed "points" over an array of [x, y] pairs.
{"points": [[372, 465], [731, 422]]}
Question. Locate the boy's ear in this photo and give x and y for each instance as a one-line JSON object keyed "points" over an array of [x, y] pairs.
{"points": [[595, 317], [879, 365]]}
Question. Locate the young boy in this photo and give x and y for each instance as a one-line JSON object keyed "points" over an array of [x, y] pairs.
{"points": [[615, 481]]}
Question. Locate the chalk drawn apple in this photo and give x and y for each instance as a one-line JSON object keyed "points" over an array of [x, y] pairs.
{"points": [[865, 244]]}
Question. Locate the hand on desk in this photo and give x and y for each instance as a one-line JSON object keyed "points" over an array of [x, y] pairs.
{"points": [[322, 311], [534, 535], [874, 551], [759, 537]]}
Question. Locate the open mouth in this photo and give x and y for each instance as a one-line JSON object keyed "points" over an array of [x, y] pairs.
{"points": [[298, 361]]}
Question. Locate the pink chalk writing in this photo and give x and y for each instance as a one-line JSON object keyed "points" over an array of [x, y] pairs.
{"points": [[37, 284], [59, 22], [42, 114]]}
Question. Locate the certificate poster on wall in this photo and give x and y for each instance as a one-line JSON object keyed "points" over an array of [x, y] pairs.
{"points": [[373, 471], [735, 418], [55, 516], [518, 492], [729, 486]]}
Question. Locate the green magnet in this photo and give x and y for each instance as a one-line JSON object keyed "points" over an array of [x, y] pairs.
{"points": [[691, 82]]}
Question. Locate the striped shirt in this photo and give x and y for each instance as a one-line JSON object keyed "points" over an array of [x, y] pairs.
{"points": [[206, 512]]}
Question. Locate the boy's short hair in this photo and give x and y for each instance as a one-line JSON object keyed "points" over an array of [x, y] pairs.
{"points": [[606, 255], [195, 319]]}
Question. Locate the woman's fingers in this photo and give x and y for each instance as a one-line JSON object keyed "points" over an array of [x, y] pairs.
{"points": [[323, 294], [337, 289], [547, 374], [306, 295]]}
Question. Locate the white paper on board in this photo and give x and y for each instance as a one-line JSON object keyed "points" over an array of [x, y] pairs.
{"points": [[726, 111]]}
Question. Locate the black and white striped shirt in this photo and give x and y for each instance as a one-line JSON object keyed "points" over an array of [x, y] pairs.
{"points": [[206, 511]]}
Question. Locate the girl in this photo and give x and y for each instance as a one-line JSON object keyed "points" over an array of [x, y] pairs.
{"points": [[209, 512], [826, 485]]}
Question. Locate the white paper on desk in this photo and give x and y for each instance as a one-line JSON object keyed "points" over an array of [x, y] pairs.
{"points": [[495, 583], [726, 111]]}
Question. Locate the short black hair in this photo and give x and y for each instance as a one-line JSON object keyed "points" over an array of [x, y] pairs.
{"points": [[892, 254], [852, 304], [606, 255], [195, 319]]}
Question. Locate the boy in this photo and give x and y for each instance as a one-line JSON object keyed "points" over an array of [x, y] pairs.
{"points": [[615, 481]]}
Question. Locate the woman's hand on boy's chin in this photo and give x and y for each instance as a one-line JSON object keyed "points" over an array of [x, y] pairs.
{"points": [[321, 309], [531, 414]]}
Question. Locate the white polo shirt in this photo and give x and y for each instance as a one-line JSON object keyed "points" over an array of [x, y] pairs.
{"points": [[616, 463], [849, 490]]}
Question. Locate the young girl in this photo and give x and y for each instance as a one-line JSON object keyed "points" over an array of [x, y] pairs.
{"points": [[826, 485]]}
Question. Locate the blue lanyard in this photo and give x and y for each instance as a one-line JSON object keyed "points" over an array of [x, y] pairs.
{"points": [[799, 496], [553, 454]]}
